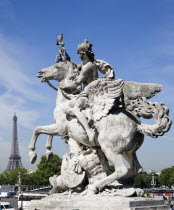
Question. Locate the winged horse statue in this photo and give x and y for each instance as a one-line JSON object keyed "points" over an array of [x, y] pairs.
{"points": [[115, 106], [119, 132]]}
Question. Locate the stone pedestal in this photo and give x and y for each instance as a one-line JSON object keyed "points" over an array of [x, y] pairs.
{"points": [[97, 202]]}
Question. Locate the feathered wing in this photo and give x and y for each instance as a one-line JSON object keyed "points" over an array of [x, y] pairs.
{"points": [[102, 94], [135, 90]]}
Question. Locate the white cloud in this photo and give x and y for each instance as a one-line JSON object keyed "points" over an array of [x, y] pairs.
{"points": [[18, 93], [10, 104], [12, 71], [18, 90]]}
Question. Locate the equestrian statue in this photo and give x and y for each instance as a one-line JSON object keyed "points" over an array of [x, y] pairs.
{"points": [[99, 119]]}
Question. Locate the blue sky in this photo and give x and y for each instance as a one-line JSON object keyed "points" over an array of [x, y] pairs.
{"points": [[135, 37]]}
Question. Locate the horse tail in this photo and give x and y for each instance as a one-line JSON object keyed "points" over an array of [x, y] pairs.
{"points": [[153, 110]]}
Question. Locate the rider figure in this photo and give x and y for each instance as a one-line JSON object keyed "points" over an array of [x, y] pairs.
{"points": [[88, 73]]}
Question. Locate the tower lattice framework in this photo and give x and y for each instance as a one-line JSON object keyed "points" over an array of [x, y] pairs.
{"points": [[14, 159]]}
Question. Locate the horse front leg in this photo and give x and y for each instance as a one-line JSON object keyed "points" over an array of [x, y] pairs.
{"points": [[48, 129], [49, 153]]}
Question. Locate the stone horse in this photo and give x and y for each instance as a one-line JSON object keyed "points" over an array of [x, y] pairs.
{"points": [[119, 132]]}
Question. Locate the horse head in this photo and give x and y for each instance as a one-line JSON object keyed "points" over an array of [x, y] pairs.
{"points": [[56, 72]]}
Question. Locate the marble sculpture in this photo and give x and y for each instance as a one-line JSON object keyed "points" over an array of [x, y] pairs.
{"points": [[99, 119]]}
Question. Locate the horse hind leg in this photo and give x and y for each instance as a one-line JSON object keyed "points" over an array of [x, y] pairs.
{"points": [[120, 171], [135, 166], [132, 159], [49, 153]]}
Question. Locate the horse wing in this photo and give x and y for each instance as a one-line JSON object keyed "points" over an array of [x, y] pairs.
{"points": [[102, 94], [135, 90]]}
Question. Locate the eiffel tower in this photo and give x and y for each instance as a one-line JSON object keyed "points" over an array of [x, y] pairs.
{"points": [[14, 159]]}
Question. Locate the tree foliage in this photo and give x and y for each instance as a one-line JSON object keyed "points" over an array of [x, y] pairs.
{"points": [[45, 169], [12, 177], [111, 169], [143, 180], [167, 177], [172, 178], [138, 181]]}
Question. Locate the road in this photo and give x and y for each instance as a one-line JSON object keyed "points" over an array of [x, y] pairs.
{"points": [[12, 201]]}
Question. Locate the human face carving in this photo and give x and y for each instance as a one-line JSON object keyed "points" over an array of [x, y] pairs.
{"points": [[82, 55]]}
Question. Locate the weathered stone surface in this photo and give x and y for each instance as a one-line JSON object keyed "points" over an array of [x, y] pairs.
{"points": [[96, 202], [70, 177], [99, 120]]}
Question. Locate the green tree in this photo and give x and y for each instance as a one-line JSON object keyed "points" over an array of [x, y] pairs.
{"points": [[138, 181], [172, 178], [147, 178], [12, 177], [166, 177], [143, 180], [111, 169], [3, 178], [46, 169]]}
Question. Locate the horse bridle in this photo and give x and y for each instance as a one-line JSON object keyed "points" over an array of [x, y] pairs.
{"points": [[52, 86]]}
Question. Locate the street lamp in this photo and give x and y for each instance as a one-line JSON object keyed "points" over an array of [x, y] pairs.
{"points": [[153, 182], [20, 192], [19, 189]]}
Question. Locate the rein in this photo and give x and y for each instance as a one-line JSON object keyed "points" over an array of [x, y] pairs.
{"points": [[68, 96], [52, 86]]}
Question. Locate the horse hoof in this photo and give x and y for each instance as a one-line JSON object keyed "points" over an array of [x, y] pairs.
{"points": [[49, 155], [33, 157], [92, 190]]}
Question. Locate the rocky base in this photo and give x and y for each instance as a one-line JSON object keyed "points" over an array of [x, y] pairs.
{"points": [[96, 202]]}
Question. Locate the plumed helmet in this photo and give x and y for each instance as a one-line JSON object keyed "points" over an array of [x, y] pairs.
{"points": [[86, 46]]}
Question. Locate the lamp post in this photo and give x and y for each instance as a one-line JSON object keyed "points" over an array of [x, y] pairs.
{"points": [[153, 182], [19, 189]]}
